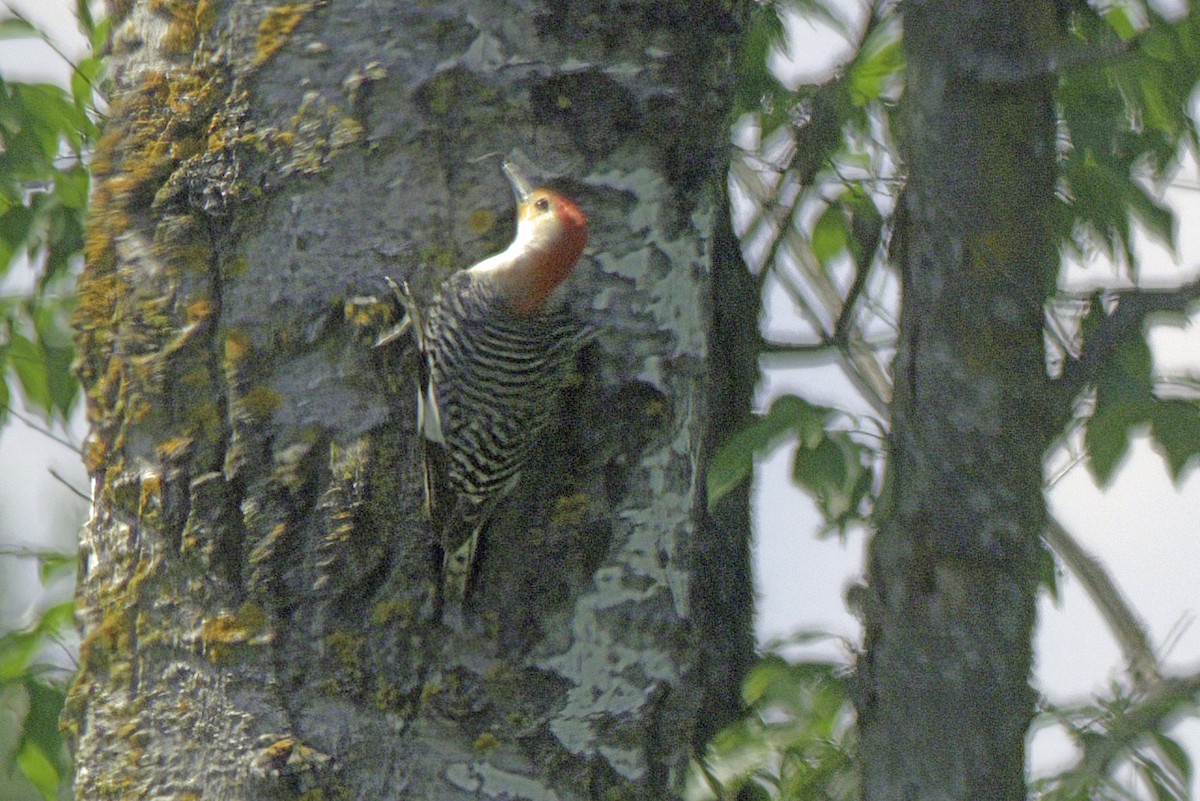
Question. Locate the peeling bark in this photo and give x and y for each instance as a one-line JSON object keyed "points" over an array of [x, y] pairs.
{"points": [[254, 596]]}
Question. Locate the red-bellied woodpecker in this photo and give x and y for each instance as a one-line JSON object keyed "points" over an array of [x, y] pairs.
{"points": [[495, 346]]}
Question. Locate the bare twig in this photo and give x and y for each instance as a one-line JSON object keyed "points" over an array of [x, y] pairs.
{"points": [[1161, 703], [769, 346], [1123, 622], [1133, 307], [772, 346], [41, 429], [29, 552], [69, 485], [45, 37]]}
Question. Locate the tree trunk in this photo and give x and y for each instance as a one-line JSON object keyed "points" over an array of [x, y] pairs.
{"points": [[945, 701], [255, 589]]}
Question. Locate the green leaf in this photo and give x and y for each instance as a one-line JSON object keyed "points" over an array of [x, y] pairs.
{"points": [[1157, 218], [57, 619], [734, 461], [1126, 116], [753, 791], [834, 474], [822, 468], [38, 769], [1107, 437], [729, 467], [866, 225], [15, 225], [51, 116], [1097, 201], [830, 234], [64, 243], [1124, 399], [46, 701], [1175, 426], [83, 15], [99, 34], [18, 28], [766, 679], [1047, 571], [83, 80], [1158, 43], [1175, 755], [71, 187], [17, 650], [29, 363], [1118, 18], [1126, 373], [5, 396], [52, 564], [61, 381], [762, 35], [880, 60]]}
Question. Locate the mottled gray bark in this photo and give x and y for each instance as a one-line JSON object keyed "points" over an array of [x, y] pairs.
{"points": [[945, 701], [254, 598]]}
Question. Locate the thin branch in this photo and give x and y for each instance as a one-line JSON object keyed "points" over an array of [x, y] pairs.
{"points": [[45, 37], [773, 346], [861, 367], [770, 346], [29, 552], [784, 222], [70, 486], [802, 304], [1075, 461], [1133, 308], [866, 374], [862, 271], [71, 653], [41, 429], [1180, 387], [1161, 703], [1127, 629]]}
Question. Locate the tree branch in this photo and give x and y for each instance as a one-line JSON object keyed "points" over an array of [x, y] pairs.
{"points": [[1133, 307], [1161, 703], [867, 234], [58, 51], [1123, 622], [827, 343], [78, 492], [46, 432], [845, 318], [770, 346]]}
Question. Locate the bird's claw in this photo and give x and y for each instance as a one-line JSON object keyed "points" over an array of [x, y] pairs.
{"points": [[411, 313]]}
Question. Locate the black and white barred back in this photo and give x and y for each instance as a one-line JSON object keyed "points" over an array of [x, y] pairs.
{"points": [[497, 381]]}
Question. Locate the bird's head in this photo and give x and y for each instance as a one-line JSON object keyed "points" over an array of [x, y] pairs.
{"points": [[551, 233]]}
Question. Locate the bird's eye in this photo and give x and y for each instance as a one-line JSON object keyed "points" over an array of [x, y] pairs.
{"points": [[541, 204]]}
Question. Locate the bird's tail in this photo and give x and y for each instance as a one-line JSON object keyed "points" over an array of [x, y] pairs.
{"points": [[458, 524], [460, 563], [458, 567]]}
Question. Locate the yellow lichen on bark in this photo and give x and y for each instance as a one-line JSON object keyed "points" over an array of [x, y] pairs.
{"points": [[276, 28]]}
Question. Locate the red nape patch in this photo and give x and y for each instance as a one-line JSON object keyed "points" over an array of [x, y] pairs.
{"points": [[554, 263], [570, 215]]}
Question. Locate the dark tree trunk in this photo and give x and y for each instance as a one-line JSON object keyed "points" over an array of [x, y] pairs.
{"points": [[945, 702], [255, 592]]}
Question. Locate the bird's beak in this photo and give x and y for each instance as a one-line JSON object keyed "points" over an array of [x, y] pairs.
{"points": [[521, 184]]}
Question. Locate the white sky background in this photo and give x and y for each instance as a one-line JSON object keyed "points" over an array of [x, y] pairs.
{"points": [[1146, 530]]}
